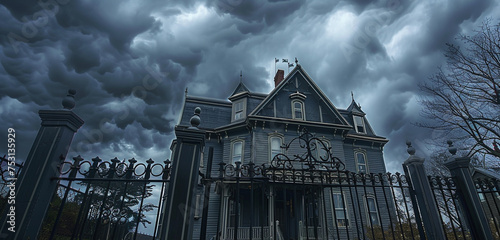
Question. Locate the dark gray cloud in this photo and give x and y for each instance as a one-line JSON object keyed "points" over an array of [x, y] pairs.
{"points": [[131, 61]]}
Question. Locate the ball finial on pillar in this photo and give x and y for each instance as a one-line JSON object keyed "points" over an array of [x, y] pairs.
{"points": [[452, 149], [69, 101], [411, 149], [195, 119]]}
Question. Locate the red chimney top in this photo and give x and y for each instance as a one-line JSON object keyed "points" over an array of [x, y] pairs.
{"points": [[280, 75]]}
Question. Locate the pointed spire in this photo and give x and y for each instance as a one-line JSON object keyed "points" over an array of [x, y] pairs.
{"points": [[241, 76], [186, 92], [354, 106]]}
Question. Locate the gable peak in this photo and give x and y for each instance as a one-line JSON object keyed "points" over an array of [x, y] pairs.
{"points": [[240, 88], [354, 107]]}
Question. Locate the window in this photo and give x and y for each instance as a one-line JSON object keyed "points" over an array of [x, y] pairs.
{"points": [[361, 162], [298, 110], [321, 153], [359, 124], [237, 150], [372, 211], [238, 110], [340, 209], [275, 146]]}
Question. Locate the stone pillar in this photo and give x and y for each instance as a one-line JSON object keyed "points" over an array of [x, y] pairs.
{"points": [[34, 187], [467, 195], [179, 217], [414, 170]]}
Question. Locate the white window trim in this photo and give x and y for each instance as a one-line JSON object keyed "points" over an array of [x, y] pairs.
{"points": [[348, 222], [356, 125], [369, 211], [231, 156], [359, 151], [243, 110], [274, 135], [302, 109]]}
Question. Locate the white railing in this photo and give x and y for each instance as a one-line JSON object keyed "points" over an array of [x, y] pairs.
{"points": [[244, 233], [279, 234]]}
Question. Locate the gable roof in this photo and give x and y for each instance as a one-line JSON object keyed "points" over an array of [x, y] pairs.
{"points": [[299, 71], [355, 108], [240, 88]]}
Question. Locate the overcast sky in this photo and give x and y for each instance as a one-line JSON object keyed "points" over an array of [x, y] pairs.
{"points": [[130, 62]]}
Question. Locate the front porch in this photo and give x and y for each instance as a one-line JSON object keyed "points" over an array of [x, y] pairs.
{"points": [[271, 211]]}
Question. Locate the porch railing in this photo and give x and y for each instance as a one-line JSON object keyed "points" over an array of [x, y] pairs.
{"points": [[244, 233], [307, 232]]}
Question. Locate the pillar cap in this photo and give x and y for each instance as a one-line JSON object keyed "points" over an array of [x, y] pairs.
{"points": [[457, 162], [60, 118], [412, 159]]}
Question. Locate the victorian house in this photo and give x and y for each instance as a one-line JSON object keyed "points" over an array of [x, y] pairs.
{"points": [[273, 164]]}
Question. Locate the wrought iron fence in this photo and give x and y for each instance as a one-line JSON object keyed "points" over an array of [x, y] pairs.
{"points": [[107, 200], [489, 195], [322, 204], [6, 178]]}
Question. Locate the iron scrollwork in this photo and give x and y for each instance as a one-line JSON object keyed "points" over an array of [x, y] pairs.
{"points": [[311, 157]]}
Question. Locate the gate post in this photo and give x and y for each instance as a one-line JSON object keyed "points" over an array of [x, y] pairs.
{"points": [[179, 209], [34, 187], [429, 212], [467, 195]]}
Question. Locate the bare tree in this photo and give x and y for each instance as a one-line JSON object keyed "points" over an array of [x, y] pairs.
{"points": [[463, 97]]}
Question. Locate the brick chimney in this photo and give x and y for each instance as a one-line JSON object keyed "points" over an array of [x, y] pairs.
{"points": [[280, 75]]}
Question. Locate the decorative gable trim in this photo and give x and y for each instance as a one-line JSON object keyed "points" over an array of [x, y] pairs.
{"points": [[299, 70]]}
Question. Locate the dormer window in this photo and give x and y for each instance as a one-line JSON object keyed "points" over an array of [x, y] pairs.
{"points": [[298, 110], [238, 110], [359, 124]]}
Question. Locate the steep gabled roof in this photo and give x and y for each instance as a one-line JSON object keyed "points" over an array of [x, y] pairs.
{"points": [[298, 70], [240, 88], [355, 108]]}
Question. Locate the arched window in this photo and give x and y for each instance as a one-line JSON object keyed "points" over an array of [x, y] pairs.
{"points": [[237, 151], [361, 164], [275, 143], [322, 149], [371, 207], [340, 207], [298, 110]]}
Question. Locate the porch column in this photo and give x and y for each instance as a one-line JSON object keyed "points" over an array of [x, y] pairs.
{"points": [[271, 213], [34, 188], [468, 197], [178, 224]]}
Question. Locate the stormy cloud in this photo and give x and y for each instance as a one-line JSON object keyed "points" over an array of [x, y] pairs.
{"points": [[131, 61]]}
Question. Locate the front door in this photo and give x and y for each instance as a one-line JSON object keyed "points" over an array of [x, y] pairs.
{"points": [[285, 210]]}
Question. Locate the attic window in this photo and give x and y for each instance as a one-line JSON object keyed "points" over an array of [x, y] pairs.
{"points": [[298, 110], [238, 110], [359, 124]]}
